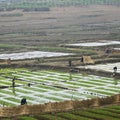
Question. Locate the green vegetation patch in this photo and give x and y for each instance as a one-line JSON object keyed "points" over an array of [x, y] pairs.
{"points": [[11, 15]]}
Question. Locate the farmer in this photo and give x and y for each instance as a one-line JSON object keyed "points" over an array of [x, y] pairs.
{"points": [[115, 69], [13, 82], [70, 63], [29, 84], [23, 101]]}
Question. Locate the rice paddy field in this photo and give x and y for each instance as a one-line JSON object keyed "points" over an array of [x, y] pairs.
{"points": [[103, 67], [44, 86]]}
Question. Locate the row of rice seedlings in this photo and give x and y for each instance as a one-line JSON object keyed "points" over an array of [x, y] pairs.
{"points": [[115, 107], [21, 91], [33, 79], [47, 87], [2, 95], [117, 111], [95, 116], [99, 77], [61, 78], [5, 82], [68, 96], [104, 81], [38, 73], [17, 100], [49, 117], [9, 83], [114, 87], [104, 112], [40, 89], [10, 101], [70, 116], [2, 84], [109, 89], [80, 76], [26, 74], [30, 99], [6, 91], [54, 99], [26, 118], [93, 83], [21, 82], [50, 98], [2, 78], [49, 72], [52, 79], [31, 89], [65, 85], [41, 73], [79, 84], [39, 79], [4, 103]]}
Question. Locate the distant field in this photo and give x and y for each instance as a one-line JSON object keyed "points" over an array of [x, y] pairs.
{"points": [[23, 4], [46, 31]]}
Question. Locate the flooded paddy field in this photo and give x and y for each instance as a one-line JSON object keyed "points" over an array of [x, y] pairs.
{"points": [[44, 86], [103, 67], [95, 44], [32, 55]]}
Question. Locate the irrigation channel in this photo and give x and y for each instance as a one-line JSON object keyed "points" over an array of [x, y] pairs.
{"points": [[44, 86]]}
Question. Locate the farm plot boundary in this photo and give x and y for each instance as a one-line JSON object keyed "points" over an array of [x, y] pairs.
{"points": [[55, 107]]}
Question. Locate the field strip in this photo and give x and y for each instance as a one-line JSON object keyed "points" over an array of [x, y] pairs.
{"points": [[112, 92], [111, 89], [69, 95], [8, 101], [104, 67], [32, 99], [51, 86], [81, 84]]}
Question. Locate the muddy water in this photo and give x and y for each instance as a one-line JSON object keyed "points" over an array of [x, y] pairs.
{"points": [[30, 55]]}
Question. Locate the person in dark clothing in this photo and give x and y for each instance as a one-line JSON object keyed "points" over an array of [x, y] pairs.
{"points": [[70, 63], [81, 59], [23, 101], [13, 82], [115, 69]]}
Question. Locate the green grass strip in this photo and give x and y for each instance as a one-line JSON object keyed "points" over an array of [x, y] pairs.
{"points": [[70, 116], [104, 112], [50, 117], [94, 115], [27, 118]]}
